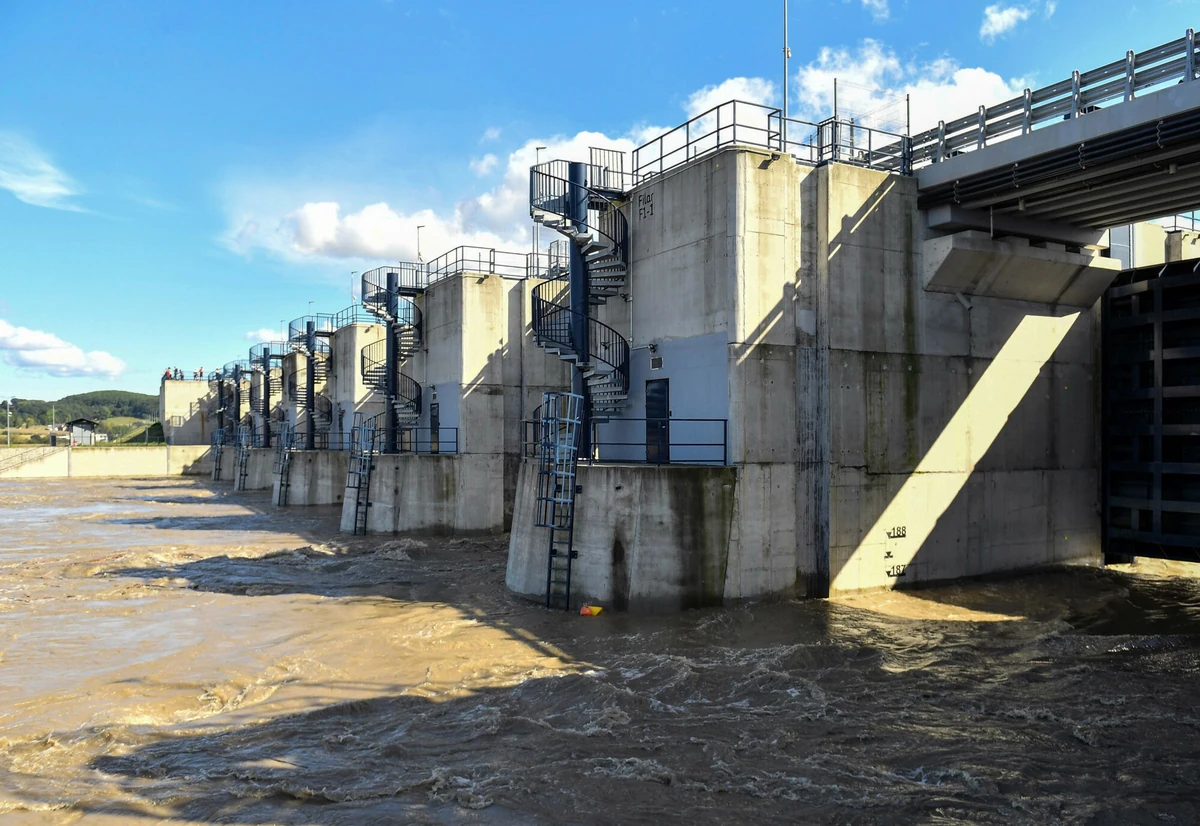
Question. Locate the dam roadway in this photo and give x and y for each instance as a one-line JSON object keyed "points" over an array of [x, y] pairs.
{"points": [[173, 652]]}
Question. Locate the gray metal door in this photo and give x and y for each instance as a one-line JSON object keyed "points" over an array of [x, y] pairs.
{"points": [[658, 422], [435, 426]]}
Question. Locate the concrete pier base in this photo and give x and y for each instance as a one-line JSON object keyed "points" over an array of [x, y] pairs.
{"points": [[316, 477]]}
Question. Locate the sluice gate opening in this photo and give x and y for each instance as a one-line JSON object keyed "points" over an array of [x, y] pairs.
{"points": [[1151, 414]]}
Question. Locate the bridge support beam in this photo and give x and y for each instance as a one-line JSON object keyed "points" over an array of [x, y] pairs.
{"points": [[974, 263]]}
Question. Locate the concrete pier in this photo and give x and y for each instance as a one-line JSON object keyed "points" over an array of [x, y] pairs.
{"points": [[904, 405]]}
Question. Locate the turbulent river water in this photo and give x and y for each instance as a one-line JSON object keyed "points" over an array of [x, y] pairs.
{"points": [[171, 652]]}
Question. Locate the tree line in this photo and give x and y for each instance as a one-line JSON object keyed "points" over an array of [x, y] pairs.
{"points": [[98, 405]]}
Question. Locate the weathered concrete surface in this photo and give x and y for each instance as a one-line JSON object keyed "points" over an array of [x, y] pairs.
{"points": [[183, 411], [648, 538], [437, 495], [975, 264], [961, 434], [316, 477], [481, 368], [171, 460], [883, 434]]}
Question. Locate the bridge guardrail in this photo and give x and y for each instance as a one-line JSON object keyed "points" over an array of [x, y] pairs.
{"points": [[1077, 96]]}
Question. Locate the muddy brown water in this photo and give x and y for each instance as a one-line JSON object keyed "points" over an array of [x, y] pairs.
{"points": [[171, 652]]}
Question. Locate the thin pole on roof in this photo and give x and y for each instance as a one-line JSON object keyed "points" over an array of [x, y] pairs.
{"points": [[787, 53]]}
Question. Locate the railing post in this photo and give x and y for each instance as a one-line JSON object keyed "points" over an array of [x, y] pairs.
{"points": [[1075, 94], [1190, 61], [981, 129], [266, 397], [391, 366], [941, 141], [580, 303], [237, 395], [1129, 73], [310, 382], [906, 153]]}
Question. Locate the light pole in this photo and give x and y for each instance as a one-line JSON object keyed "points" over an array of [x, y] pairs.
{"points": [[537, 160], [787, 53], [420, 260]]}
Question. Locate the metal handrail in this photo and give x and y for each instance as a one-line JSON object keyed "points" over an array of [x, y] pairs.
{"points": [[26, 456], [267, 349], [663, 443], [1120, 81], [375, 298], [550, 191], [741, 123], [413, 276], [373, 365], [553, 324]]}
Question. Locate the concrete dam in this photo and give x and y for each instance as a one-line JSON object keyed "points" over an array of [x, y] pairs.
{"points": [[798, 359]]}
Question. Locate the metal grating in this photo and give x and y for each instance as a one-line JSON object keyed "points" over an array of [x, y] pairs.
{"points": [[1151, 414]]}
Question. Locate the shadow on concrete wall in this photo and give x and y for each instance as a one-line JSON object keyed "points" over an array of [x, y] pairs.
{"points": [[977, 457]]}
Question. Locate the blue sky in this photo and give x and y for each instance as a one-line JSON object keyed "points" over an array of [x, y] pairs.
{"points": [[175, 177]]}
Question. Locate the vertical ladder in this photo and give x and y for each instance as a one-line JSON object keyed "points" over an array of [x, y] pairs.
{"points": [[362, 462], [242, 458], [283, 461], [218, 447], [558, 454]]}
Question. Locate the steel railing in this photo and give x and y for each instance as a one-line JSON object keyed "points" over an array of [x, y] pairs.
{"points": [[741, 123], [1082, 93], [551, 191], [375, 298], [415, 277], [554, 326], [652, 441]]}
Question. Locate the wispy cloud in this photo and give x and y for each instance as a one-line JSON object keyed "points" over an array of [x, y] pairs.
{"points": [[878, 8], [43, 352], [484, 165], [490, 134], [750, 89], [264, 334], [27, 173], [1000, 19], [880, 89]]}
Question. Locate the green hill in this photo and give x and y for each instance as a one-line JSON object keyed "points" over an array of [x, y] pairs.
{"points": [[98, 406]]}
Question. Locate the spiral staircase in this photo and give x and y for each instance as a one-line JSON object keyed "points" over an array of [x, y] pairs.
{"points": [[403, 321], [603, 243], [319, 407]]}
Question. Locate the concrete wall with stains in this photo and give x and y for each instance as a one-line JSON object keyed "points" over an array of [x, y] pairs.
{"points": [[883, 431]]}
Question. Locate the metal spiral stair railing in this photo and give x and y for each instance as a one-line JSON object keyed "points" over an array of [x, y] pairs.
{"points": [[603, 242], [375, 295], [606, 369], [604, 238], [408, 390]]}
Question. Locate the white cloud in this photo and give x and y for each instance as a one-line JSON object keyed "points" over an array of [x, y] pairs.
{"points": [[27, 173], [1051, 8], [873, 82], [878, 8], [749, 89], [490, 134], [263, 334], [330, 230], [998, 20], [47, 353], [484, 165]]}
